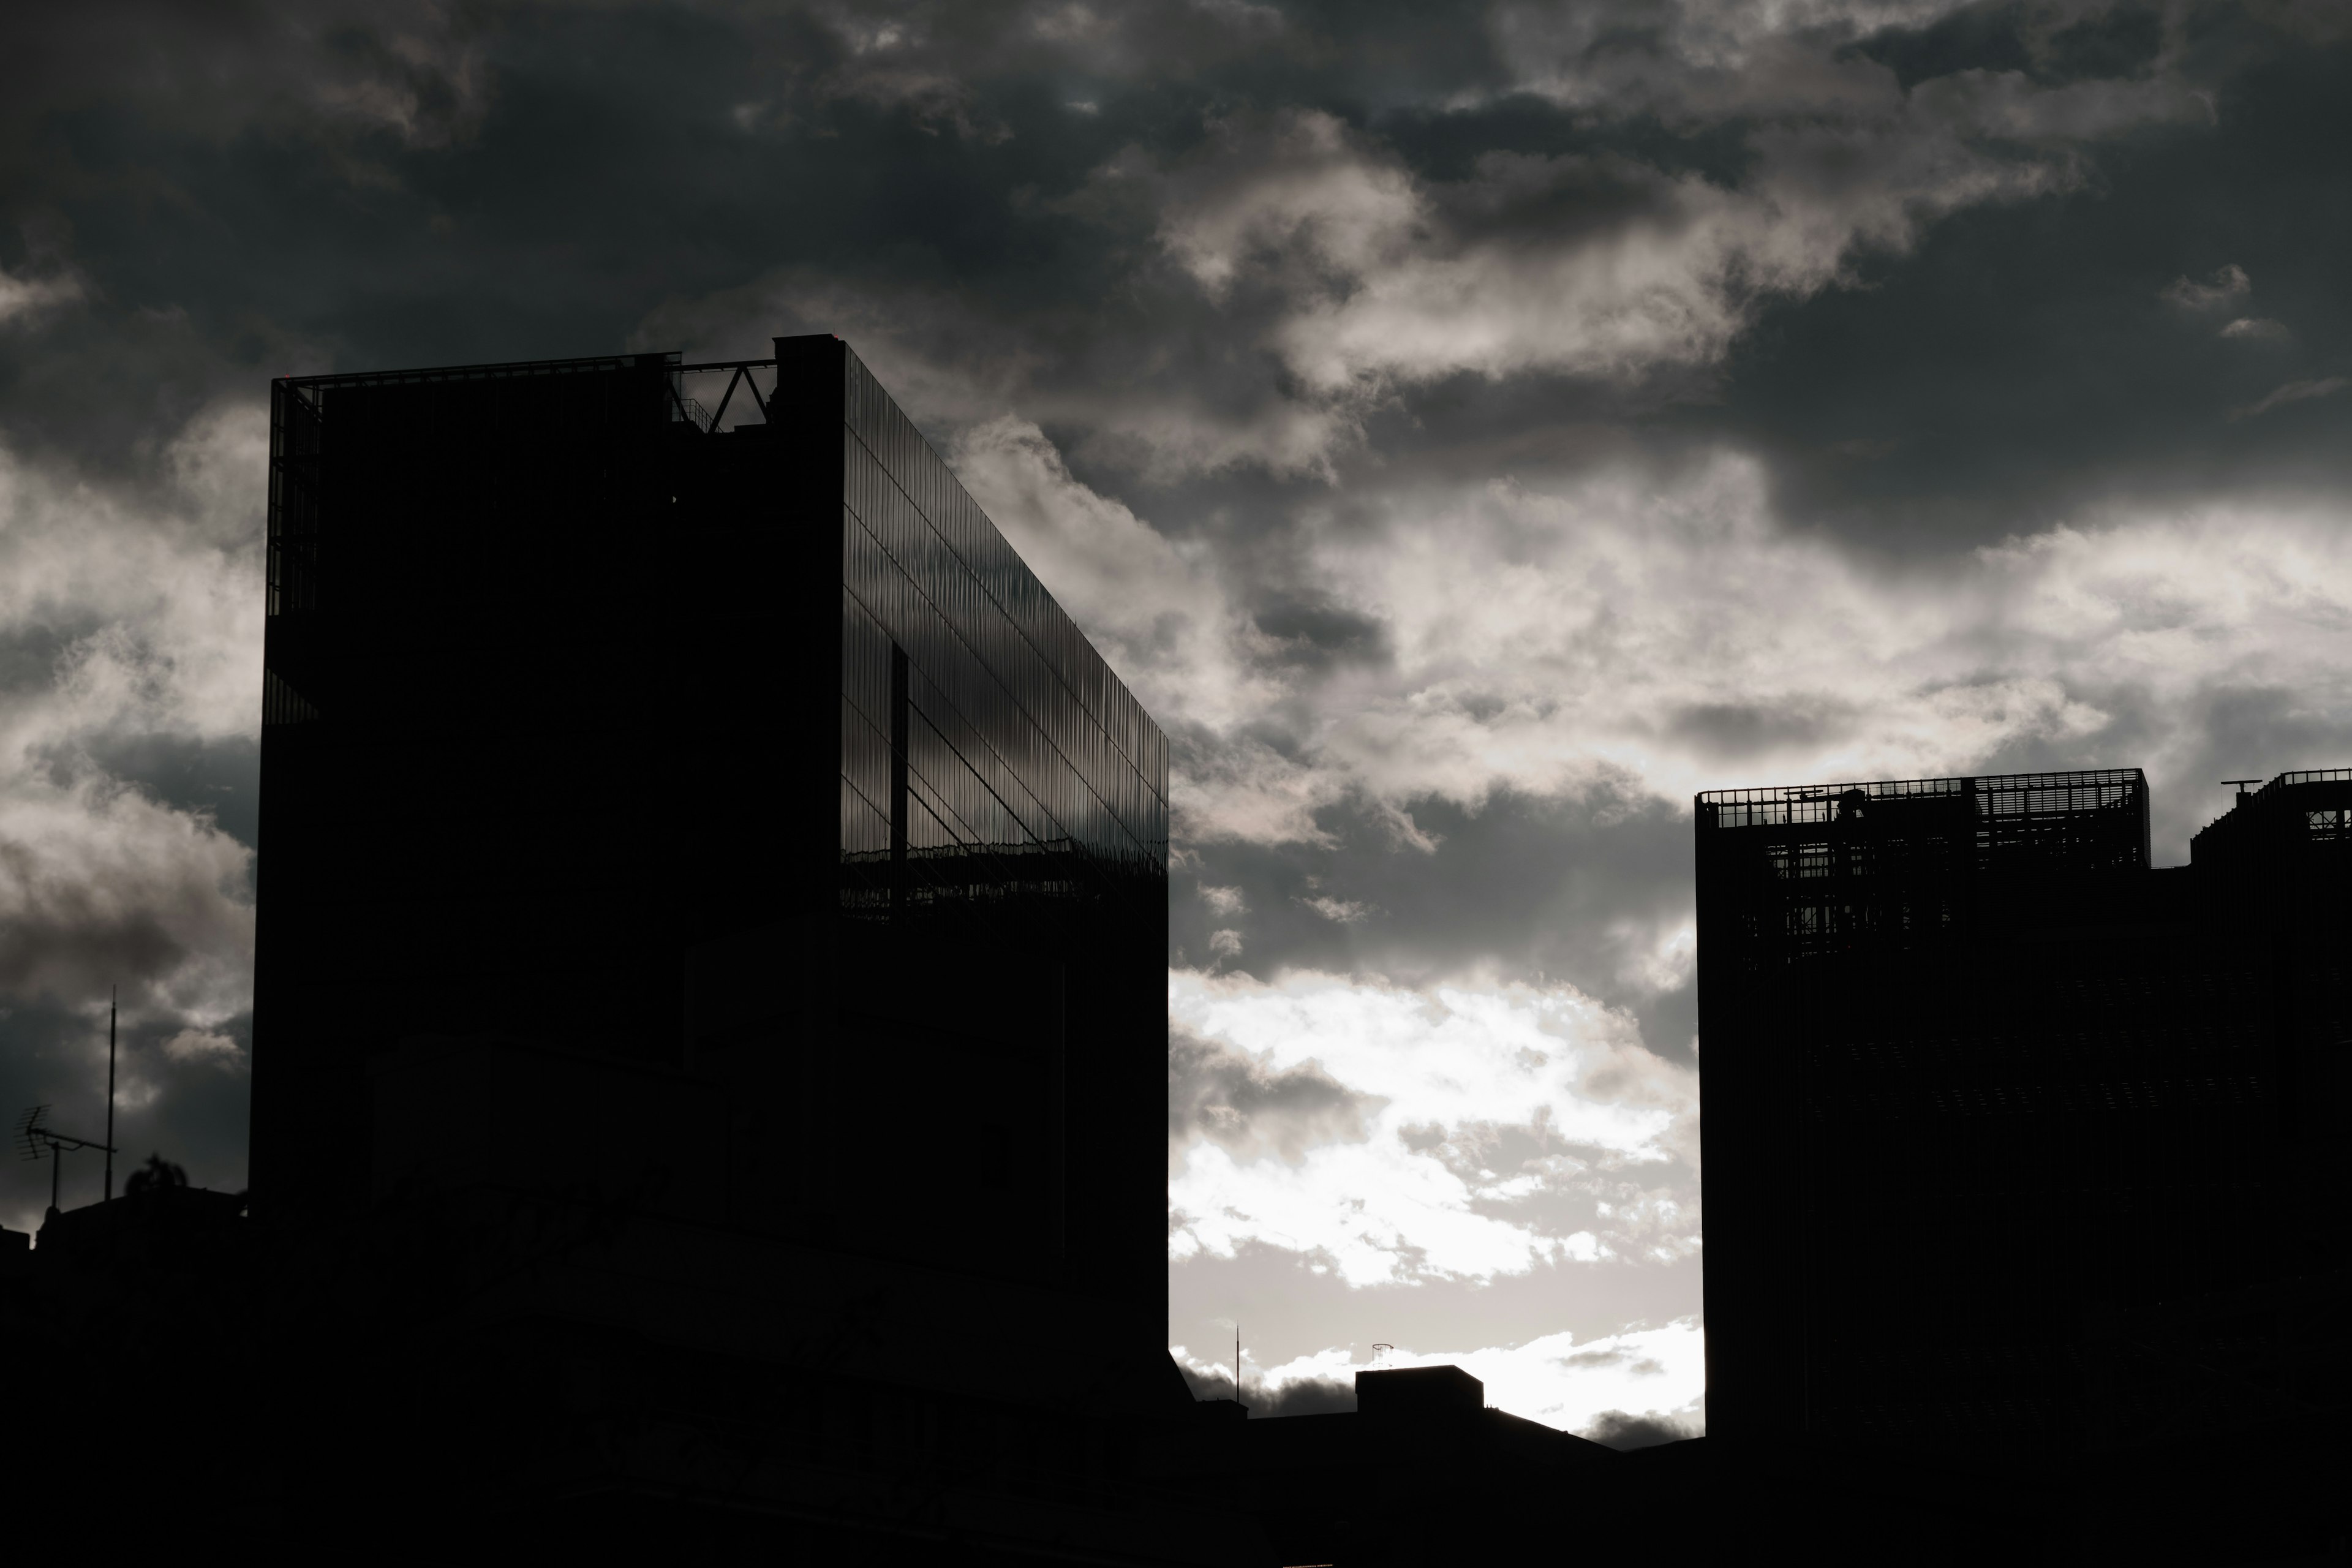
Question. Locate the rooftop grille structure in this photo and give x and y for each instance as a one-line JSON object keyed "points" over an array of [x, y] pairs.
{"points": [[1978, 1078]]}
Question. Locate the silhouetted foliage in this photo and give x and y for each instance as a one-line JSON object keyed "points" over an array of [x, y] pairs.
{"points": [[155, 1175]]}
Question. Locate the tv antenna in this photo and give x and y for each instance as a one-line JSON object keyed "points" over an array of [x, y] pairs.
{"points": [[34, 1139]]}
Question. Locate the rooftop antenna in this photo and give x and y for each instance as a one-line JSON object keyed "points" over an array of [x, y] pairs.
{"points": [[33, 1140], [28, 1129], [112, 996], [2241, 784], [1380, 1351], [29, 1133]]}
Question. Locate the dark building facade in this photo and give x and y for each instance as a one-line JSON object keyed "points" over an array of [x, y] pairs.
{"points": [[1987, 1094], [701, 812]]}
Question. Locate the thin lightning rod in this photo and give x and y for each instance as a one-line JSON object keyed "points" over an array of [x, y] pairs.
{"points": [[111, 999]]}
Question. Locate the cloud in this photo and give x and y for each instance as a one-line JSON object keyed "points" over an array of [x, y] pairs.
{"points": [[1225, 901], [1154, 607], [1591, 890], [1656, 960], [2292, 391], [1294, 186], [1585, 264], [208, 1046], [1487, 1129], [1539, 637], [23, 298], [1663, 635], [2231, 283], [2256, 328], [100, 884], [1343, 911], [1531, 640], [2315, 21], [1585, 1386], [1239, 787], [1248, 1105], [887, 64], [135, 618], [341, 71]]}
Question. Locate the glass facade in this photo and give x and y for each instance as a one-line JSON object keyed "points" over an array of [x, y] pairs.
{"points": [[987, 751], [735, 739]]}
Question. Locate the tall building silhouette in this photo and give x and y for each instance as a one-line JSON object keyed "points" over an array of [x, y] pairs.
{"points": [[1983, 1089], [680, 802]]}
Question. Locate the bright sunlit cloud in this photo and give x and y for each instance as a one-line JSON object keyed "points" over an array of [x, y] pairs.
{"points": [[1504, 1126]]}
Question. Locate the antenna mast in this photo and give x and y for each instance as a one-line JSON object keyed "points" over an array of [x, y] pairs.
{"points": [[111, 997]]}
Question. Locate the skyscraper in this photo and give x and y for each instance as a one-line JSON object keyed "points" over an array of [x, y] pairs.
{"points": [[1979, 1083], [678, 795]]}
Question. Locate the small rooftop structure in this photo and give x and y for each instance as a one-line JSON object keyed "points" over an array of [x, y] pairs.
{"points": [[1419, 1392]]}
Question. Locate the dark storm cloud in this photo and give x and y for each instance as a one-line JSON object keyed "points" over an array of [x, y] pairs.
{"points": [[2040, 41], [1584, 889], [1733, 732], [2028, 360], [380, 185], [210, 195], [1616, 1429], [69, 925], [1311, 631], [1299, 1396], [1217, 1092], [219, 778]]}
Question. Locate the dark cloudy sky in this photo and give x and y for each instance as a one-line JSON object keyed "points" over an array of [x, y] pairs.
{"points": [[1471, 429]]}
